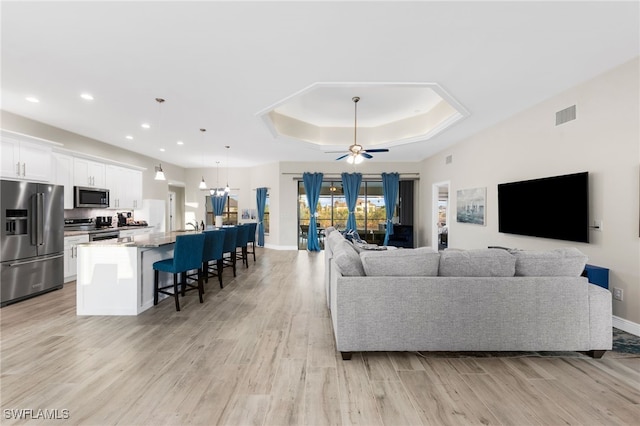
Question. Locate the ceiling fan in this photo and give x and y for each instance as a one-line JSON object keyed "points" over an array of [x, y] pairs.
{"points": [[356, 153]]}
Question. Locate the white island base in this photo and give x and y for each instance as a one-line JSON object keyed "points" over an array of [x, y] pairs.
{"points": [[117, 278]]}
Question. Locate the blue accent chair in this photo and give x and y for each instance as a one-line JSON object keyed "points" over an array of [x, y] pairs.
{"points": [[252, 240], [241, 243], [213, 246], [187, 256], [229, 249]]}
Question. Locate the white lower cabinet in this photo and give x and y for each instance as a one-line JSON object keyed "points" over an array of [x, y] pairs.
{"points": [[134, 232], [71, 255]]}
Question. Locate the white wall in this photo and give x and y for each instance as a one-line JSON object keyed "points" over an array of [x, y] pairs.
{"points": [[604, 140]]}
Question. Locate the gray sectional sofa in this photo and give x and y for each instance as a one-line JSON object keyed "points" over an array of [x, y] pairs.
{"points": [[463, 300]]}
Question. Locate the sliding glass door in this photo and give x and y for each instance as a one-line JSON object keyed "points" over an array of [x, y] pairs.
{"points": [[332, 211]]}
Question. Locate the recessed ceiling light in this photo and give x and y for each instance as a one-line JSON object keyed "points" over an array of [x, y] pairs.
{"points": [[146, 126], [129, 137], [32, 99], [180, 143], [87, 96], [161, 149]]}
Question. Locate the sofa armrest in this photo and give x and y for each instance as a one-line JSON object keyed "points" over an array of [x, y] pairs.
{"points": [[600, 318]]}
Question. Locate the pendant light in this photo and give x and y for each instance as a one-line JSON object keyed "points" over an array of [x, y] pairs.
{"points": [[159, 172], [203, 184], [217, 192], [227, 189]]}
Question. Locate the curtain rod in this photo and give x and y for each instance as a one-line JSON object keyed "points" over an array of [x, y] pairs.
{"points": [[411, 175], [363, 174]]}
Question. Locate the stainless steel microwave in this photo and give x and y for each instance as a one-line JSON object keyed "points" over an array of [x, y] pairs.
{"points": [[90, 197]]}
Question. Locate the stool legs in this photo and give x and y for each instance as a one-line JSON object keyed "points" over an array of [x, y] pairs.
{"points": [[175, 291], [155, 286], [220, 266]]}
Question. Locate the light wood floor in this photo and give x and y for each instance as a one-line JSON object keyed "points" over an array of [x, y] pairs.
{"points": [[261, 352]]}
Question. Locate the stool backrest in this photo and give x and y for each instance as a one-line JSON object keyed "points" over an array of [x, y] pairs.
{"points": [[243, 235], [230, 235], [252, 232], [213, 242], [187, 252]]}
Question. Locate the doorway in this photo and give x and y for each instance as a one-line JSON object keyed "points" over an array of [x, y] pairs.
{"points": [[440, 213], [172, 210]]}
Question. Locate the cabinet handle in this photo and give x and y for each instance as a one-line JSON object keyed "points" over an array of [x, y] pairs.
{"points": [[18, 168], [24, 169]]}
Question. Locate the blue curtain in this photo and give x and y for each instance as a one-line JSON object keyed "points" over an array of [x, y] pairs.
{"points": [[390, 187], [261, 200], [312, 184], [218, 203], [351, 185]]}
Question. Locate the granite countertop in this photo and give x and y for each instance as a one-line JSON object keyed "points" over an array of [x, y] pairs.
{"points": [[154, 240], [93, 231]]}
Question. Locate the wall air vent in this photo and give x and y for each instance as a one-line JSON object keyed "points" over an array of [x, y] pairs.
{"points": [[565, 115], [448, 159]]}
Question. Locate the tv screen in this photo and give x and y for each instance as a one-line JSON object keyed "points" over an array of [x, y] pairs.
{"points": [[554, 207]]}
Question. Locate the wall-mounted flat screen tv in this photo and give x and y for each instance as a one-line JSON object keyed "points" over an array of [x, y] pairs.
{"points": [[554, 207]]}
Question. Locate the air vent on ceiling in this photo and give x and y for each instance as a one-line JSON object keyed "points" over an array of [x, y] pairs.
{"points": [[448, 159], [565, 115]]}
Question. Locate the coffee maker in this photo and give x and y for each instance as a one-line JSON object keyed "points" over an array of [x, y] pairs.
{"points": [[122, 218], [103, 221]]}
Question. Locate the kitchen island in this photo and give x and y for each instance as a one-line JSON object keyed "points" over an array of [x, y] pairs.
{"points": [[115, 277]]}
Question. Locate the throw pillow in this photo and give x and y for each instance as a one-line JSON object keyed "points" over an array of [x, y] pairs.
{"points": [[563, 262], [419, 262], [347, 259], [476, 263]]}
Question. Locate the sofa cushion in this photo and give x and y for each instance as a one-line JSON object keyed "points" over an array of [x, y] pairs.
{"points": [[347, 259], [476, 263], [562, 262], [419, 262]]}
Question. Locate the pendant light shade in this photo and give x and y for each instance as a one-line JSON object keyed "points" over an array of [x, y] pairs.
{"points": [[159, 173]]}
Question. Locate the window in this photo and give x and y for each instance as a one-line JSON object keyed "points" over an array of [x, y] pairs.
{"points": [[230, 215]]}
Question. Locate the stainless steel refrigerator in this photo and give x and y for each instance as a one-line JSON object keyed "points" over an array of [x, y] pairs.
{"points": [[32, 239]]}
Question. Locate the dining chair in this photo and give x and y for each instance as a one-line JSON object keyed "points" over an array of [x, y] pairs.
{"points": [[187, 256], [252, 239], [241, 243], [213, 250], [228, 249]]}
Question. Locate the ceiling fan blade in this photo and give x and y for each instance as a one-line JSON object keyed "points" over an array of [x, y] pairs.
{"points": [[365, 155], [377, 150], [343, 156]]}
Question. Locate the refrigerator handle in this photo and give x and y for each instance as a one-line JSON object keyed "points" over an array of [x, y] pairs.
{"points": [[40, 217]]}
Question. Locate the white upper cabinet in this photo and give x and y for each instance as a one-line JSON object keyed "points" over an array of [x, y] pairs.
{"points": [[25, 160], [88, 173], [125, 187], [63, 175]]}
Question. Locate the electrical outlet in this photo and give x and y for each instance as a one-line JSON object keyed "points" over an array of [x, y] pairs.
{"points": [[617, 293]]}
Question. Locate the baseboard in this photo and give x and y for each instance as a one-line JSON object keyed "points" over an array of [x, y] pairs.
{"points": [[276, 247], [626, 325]]}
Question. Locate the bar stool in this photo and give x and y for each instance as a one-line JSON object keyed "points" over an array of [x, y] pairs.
{"points": [[213, 246], [241, 243], [252, 239], [229, 247], [187, 255]]}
